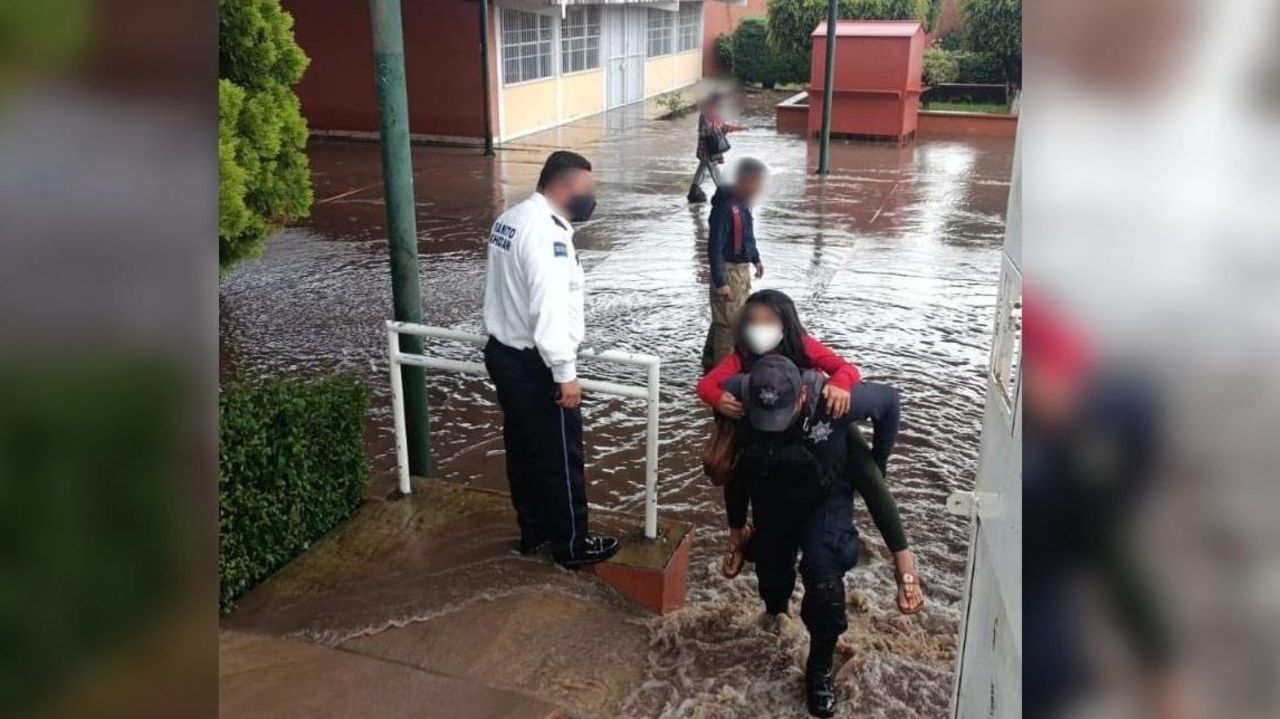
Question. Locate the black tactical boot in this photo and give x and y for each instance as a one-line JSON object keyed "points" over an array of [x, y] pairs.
{"points": [[820, 686], [821, 693], [590, 550], [696, 195]]}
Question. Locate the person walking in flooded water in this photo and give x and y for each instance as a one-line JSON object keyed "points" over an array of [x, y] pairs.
{"points": [[713, 143], [788, 474], [778, 470], [533, 312], [731, 250]]}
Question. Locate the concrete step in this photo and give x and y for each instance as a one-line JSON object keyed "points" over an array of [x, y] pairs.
{"points": [[433, 582], [272, 678]]}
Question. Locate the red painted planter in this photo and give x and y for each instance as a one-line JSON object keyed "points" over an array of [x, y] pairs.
{"points": [[658, 586], [967, 123], [876, 91]]}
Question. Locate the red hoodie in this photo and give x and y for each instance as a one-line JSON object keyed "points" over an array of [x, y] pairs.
{"points": [[840, 373]]}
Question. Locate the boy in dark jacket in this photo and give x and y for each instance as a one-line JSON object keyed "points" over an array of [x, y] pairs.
{"points": [[731, 247]]}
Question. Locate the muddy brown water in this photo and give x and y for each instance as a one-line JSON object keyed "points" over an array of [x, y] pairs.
{"points": [[892, 260]]}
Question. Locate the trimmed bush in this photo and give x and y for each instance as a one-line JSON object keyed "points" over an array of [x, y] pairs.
{"points": [[978, 68], [940, 67], [724, 51], [754, 60], [265, 178], [291, 466]]}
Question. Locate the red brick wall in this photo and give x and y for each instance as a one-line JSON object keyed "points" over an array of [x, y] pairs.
{"points": [[721, 18], [442, 66]]}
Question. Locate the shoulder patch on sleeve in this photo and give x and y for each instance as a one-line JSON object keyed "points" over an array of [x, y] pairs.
{"points": [[561, 249], [560, 224]]}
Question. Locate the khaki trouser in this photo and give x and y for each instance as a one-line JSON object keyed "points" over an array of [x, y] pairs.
{"points": [[724, 313]]}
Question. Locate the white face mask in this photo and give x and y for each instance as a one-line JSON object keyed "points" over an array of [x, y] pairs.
{"points": [[762, 338]]}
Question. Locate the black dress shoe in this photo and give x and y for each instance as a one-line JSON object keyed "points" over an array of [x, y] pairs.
{"points": [[590, 550], [696, 195], [821, 694]]}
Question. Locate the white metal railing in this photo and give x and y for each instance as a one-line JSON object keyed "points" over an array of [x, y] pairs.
{"points": [[649, 393]]}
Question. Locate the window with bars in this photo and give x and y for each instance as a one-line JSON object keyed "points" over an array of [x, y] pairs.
{"points": [[580, 39], [689, 26], [662, 27], [526, 46]]}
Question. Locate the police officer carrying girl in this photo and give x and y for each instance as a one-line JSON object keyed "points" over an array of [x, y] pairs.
{"points": [[799, 465]]}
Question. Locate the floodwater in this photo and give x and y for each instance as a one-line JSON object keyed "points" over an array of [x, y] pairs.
{"points": [[892, 260]]}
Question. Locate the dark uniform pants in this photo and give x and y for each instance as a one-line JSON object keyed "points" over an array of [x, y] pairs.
{"points": [[828, 545], [543, 449]]}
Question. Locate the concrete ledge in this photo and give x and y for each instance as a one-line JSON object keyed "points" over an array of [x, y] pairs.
{"points": [[792, 116], [938, 122], [415, 138]]}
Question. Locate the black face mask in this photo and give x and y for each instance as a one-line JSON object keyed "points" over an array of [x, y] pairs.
{"points": [[581, 207]]}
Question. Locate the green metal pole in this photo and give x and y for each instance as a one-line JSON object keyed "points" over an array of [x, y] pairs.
{"points": [[484, 75], [402, 231], [824, 147]]}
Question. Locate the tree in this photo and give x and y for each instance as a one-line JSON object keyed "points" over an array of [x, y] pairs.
{"points": [[995, 27], [265, 180], [791, 22], [755, 60]]}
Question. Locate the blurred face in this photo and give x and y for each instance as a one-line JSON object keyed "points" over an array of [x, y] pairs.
{"points": [[749, 186], [574, 193], [1050, 399], [574, 183], [762, 329]]}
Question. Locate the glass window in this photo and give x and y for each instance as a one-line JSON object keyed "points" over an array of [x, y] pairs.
{"points": [[662, 27], [689, 26], [580, 39], [526, 46]]}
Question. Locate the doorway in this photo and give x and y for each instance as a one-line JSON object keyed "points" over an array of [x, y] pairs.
{"points": [[625, 51]]}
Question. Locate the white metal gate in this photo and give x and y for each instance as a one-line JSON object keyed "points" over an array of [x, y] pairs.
{"points": [[625, 29], [649, 393], [989, 673]]}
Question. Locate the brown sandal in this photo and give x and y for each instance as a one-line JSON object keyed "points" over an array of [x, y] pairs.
{"points": [[736, 556], [909, 589]]}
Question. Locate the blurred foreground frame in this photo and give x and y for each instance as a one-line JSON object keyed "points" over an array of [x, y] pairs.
{"points": [[95, 530], [108, 207]]}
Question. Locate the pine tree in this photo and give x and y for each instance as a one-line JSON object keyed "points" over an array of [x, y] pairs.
{"points": [[265, 180]]}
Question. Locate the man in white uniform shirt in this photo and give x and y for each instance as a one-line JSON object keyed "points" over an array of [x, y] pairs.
{"points": [[533, 312]]}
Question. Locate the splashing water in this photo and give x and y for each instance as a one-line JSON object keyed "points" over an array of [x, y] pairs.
{"points": [[892, 261]]}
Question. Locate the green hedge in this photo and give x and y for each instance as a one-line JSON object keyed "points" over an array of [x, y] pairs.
{"points": [[978, 68], [940, 67], [724, 51], [291, 467], [755, 60]]}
